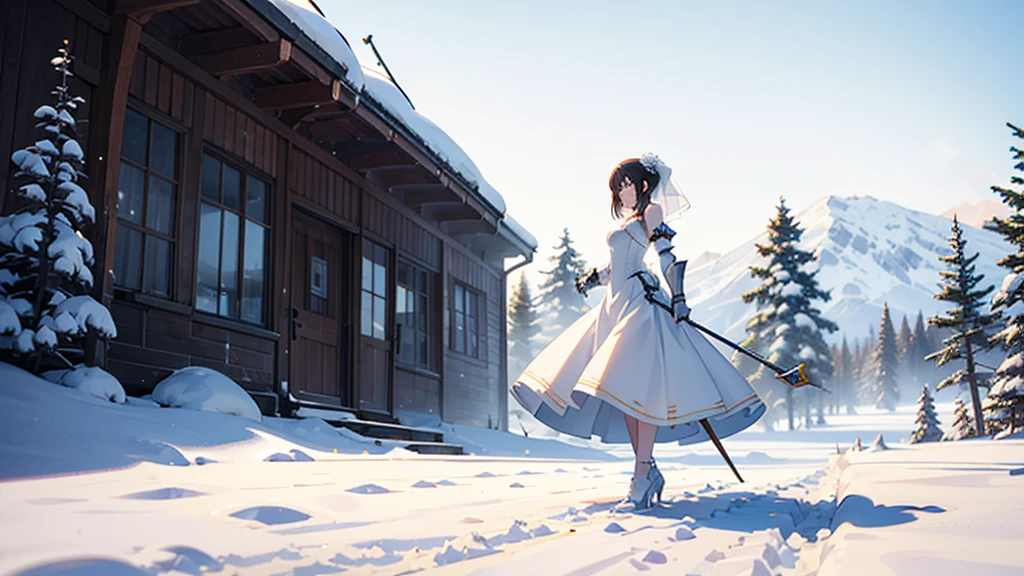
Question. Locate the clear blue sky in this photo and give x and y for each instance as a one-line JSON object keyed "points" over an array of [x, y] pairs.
{"points": [[747, 101]]}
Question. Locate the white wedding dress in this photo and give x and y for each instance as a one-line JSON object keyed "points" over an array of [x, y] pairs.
{"points": [[628, 356]]}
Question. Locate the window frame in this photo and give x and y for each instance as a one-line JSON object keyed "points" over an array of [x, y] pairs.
{"points": [[415, 269], [267, 224], [143, 228], [454, 337], [388, 292]]}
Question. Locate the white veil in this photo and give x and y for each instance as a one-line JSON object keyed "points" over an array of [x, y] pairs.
{"points": [[667, 193]]}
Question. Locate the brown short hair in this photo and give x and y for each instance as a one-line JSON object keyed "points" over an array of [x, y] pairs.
{"points": [[631, 170]]}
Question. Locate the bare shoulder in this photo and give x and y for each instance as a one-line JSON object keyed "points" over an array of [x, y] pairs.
{"points": [[653, 216]]}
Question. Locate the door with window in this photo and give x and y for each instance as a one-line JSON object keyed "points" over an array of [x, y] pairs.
{"points": [[319, 367], [375, 321]]}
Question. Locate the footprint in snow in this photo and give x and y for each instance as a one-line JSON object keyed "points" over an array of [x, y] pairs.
{"points": [[369, 489], [526, 473], [655, 557], [485, 475], [271, 515], [561, 470], [424, 484], [163, 494], [614, 528], [446, 482], [515, 485]]}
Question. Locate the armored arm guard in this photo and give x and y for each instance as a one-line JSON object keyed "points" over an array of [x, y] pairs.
{"points": [[596, 277], [673, 270]]}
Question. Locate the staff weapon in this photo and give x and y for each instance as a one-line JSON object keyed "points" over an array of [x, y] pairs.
{"points": [[794, 377]]}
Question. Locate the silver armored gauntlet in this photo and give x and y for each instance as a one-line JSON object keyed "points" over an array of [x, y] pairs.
{"points": [[672, 269]]}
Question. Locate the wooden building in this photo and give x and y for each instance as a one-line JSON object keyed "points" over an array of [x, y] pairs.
{"points": [[260, 214]]}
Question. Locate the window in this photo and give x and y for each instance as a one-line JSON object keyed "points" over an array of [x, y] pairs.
{"points": [[465, 315], [412, 315], [146, 206], [374, 290], [233, 236]]}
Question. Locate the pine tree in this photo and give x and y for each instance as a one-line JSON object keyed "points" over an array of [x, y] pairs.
{"points": [[45, 309], [844, 395], [1004, 404], [918, 349], [856, 375], [523, 327], [838, 371], [559, 301], [963, 424], [786, 316], [885, 360], [927, 429], [966, 319], [903, 339]]}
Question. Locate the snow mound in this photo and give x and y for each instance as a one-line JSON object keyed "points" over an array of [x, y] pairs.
{"points": [[198, 388], [879, 444], [89, 379]]}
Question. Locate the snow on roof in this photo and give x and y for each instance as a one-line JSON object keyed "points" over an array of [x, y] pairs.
{"points": [[517, 229], [388, 95], [304, 15]]}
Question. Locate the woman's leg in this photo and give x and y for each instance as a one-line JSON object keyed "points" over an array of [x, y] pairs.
{"points": [[631, 424], [644, 448]]}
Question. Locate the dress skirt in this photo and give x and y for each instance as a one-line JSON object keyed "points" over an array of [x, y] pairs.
{"points": [[628, 356]]}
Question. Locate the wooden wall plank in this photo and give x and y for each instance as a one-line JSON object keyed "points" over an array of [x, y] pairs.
{"points": [[138, 81], [177, 97], [239, 134], [163, 98], [250, 140], [228, 141], [152, 81], [188, 106]]}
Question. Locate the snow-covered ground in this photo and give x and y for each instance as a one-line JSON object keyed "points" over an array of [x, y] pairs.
{"points": [[93, 487]]}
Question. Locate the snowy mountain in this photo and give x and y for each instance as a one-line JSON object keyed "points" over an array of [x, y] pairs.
{"points": [[869, 252]]}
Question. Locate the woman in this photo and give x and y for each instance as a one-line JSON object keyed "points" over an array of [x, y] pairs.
{"points": [[629, 369]]}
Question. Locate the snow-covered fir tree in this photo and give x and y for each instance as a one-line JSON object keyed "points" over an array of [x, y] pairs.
{"points": [[885, 361], [963, 424], [903, 338], [523, 327], [45, 257], [559, 302], [1004, 404], [786, 316], [927, 423], [966, 319], [845, 394]]}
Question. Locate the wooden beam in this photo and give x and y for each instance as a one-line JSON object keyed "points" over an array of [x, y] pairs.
{"points": [[455, 227], [388, 176], [216, 40], [142, 10], [249, 58], [416, 195], [303, 62], [296, 95], [452, 213], [247, 17]]}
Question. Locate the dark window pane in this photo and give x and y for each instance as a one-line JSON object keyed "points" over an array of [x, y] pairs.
{"points": [[379, 275], [366, 315], [421, 312], [400, 307], [130, 191], [378, 318], [422, 350], [255, 199], [127, 257], [408, 350], [165, 151], [471, 342], [228, 303], [207, 285], [253, 273], [404, 271], [160, 207], [460, 332], [380, 255], [367, 274], [211, 178], [471, 304], [460, 299], [421, 283], [157, 279], [136, 137], [232, 185]]}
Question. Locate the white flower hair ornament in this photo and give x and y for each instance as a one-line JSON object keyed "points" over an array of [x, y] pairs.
{"points": [[667, 193], [651, 162]]}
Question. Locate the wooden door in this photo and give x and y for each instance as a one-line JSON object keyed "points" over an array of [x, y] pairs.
{"points": [[319, 370], [375, 327]]}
